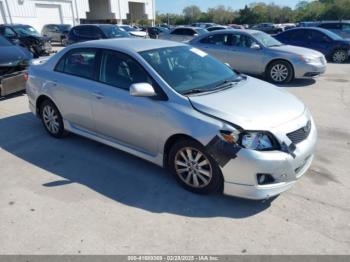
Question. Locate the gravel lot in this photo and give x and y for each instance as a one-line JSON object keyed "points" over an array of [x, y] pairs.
{"points": [[76, 196]]}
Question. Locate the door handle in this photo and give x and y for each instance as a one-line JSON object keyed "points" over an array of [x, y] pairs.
{"points": [[98, 95]]}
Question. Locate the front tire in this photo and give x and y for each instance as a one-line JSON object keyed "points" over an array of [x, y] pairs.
{"points": [[194, 169], [280, 72], [340, 56], [52, 119]]}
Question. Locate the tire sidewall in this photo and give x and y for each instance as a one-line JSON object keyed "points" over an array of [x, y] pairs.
{"points": [[61, 131], [216, 183], [289, 68]]}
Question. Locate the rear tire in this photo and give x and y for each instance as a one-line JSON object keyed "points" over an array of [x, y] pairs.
{"points": [[52, 119], [340, 56], [280, 72], [194, 169]]}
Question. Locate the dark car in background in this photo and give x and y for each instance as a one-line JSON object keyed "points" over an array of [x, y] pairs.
{"points": [[28, 37], [14, 60], [57, 32], [82, 33], [155, 31], [341, 28], [268, 28], [334, 47]]}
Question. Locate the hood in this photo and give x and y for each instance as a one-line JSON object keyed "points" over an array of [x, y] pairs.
{"points": [[297, 50], [138, 33], [252, 104], [12, 55], [42, 39]]}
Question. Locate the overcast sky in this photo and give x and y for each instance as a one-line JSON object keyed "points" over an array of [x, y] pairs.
{"points": [[176, 6]]}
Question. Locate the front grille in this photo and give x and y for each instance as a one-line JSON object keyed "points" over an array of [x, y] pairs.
{"points": [[301, 134]]}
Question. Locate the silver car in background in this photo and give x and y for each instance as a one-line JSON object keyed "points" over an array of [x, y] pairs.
{"points": [[178, 107], [183, 33], [257, 53]]}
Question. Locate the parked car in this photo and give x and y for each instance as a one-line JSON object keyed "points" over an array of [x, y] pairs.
{"points": [[203, 25], [308, 24], [341, 28], [82, 33], [176, 106], [57, 32], [14, 60], [268, 28], [235, 26], [183, 33], [258, 53], [132, 31], [28, 37], [218, 27], [334, 47], [155, 31]]}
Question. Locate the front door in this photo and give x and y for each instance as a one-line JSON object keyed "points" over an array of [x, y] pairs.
{"points": [[130, 121]]}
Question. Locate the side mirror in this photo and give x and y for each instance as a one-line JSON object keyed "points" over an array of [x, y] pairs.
{"points": [[195, 35], [142, 90], [255, 46]]}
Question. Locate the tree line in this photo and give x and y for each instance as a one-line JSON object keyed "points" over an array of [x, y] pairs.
{"points": [[261, 12]]}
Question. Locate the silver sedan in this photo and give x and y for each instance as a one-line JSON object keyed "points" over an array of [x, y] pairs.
{"points": [[257, 53], [180, 108]]}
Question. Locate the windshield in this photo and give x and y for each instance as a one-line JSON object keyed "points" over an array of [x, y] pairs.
{"points": [[201, 31], [4, 42], [114, 32], [332, 35], [128, 28], [186, 68], [266, 40], [65, 27], [26, 30]]}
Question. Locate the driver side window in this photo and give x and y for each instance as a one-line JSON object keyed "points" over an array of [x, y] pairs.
{"points": [[121, 71]]}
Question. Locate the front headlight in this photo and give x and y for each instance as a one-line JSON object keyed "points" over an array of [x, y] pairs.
{"points": [[311, 60], [256, 141]]}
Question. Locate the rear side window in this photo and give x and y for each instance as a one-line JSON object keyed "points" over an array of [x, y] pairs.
{"points": [[331, 26], [217, 39], [80, 62], [189, 32], [178, 32], [88, 32]]}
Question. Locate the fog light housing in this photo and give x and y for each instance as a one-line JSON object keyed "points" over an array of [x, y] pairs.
{"points": [[265, 179]]}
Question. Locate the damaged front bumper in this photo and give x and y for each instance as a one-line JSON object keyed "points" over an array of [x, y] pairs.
{"points": [[12, 83], [241, 173]]}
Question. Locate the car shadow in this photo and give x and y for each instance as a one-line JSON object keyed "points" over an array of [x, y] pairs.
{"points": [[300, 82], [112, 173]]}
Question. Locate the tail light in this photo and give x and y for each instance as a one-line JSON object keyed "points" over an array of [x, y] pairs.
{"points": [[25, 76]]}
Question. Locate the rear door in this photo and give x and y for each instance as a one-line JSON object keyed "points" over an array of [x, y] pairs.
{"points": [[73, 83]]}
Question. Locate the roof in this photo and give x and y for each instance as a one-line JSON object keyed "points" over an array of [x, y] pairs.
{"points": [[130, 44], [232, 30]]}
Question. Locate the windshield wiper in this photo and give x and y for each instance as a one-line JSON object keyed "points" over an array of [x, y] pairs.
{"points": [[195, 91], [229, 82], [222, 85]]}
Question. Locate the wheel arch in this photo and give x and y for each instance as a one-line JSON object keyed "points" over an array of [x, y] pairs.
{"points": [[39, 102], [172, 140]]}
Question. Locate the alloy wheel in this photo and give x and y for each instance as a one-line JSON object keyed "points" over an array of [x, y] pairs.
{"points": [[279, 73], [193, 167], [50, 118], [339, 56]]}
